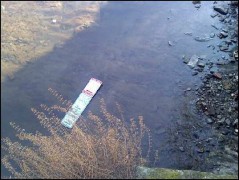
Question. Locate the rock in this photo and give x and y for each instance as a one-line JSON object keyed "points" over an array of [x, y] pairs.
{"points": [[170, 43], [212, 35], [235, 55], [223, 48], [200, 150], [215, 26], [188, 89], [53, 21], [193, 61], [235, 123], [181, 149], [203, 39], [220, 63], [211, 111], [188, 33], [221, 121], [201, 64], [209, 121], [226, 31], [223, 34], [217, 75], [196, 2], [194, 73], [220, 9], [213, 15], [197, 6], [228, 122], [213, 70]]}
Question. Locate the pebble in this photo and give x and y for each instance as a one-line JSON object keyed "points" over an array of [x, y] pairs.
{"points": [[228, 122], [188, 89], [194, 73], [170, 43], [213, 70], [209, 121], [188, 33], [197, 6], [220, 9], [54, 21], [181, 149], [200, 150], [201, 64], [223, 34], [212, 35], [193, 61], [217, 75], [213, 15], [235, 122], [220, 63], [223, 48]]}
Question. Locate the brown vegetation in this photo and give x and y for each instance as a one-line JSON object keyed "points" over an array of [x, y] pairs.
{"points": [[95, 147]]}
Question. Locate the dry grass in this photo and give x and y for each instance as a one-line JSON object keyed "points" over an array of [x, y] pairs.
{"points": [[94, 148]]}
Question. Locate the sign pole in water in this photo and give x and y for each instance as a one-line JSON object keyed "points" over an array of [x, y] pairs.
{"points": [[81, 102]]}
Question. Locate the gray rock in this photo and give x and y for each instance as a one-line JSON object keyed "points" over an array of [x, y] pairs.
{"points": [[213, 70], [220, 63], [223, 34], [203, 39], [226, 31], [201, 64], [220, 9], [185, 59], [212, 35], [211, 111], [223, 48], [194, 73], [213, 15], [188, 33], [235, 123], [200, 150], [197, 6], [209, 121], [170, 43], [193, 61], [228, 122], [221, 121], [215, 26], [181, 149]]}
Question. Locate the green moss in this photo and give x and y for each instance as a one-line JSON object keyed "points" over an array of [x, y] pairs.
{"points": [[162, 173]]}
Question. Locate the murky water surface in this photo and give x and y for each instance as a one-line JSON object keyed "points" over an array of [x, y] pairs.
{"points": [[126, 48]]}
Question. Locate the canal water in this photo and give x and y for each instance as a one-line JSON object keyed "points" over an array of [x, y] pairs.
{"points": [[128, 50]]}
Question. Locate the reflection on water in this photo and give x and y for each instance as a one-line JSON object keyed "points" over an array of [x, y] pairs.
{"points": [[32, 29], [127, 49]]}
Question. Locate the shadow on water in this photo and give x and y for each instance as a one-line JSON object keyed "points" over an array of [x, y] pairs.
{"points": [[128, 50]]}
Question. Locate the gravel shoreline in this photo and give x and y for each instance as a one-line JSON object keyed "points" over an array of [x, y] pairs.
{"points": [[208, 137]]}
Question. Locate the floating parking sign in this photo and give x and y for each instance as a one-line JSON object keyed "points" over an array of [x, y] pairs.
{"points": [[81, 102]]}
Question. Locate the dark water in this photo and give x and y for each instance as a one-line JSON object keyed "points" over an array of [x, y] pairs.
{"points": [[128, 50]]}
